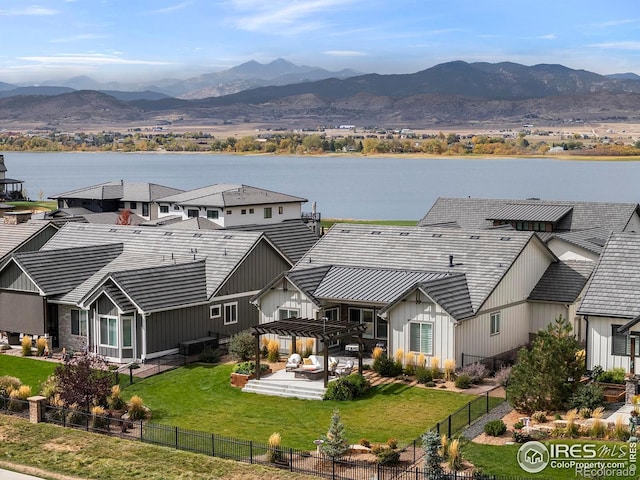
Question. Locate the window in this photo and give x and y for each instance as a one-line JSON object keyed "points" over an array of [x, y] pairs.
{"points": [[495, 323], [212, 214], [229, 212], [621, 342], [267, 212], [79, 322], [230, 313], [164, 208], [280, 210], [285, 313], [145, 209], [193, 213], [120, 205], [362, 315], [332, 314], [243, 211], [127, 332], [421, 337], [109, 331], [176, 207], [215, 311], [250, 211], [133, 205]]}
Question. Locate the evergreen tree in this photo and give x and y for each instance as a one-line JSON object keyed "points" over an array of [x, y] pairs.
{"points": [[432, 458], [335, 441]]}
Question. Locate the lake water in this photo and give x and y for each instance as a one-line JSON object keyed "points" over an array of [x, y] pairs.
{"points": [[343, 187]]}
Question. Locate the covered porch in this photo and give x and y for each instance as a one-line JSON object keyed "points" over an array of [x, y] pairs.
{"points": [[324, 330]]}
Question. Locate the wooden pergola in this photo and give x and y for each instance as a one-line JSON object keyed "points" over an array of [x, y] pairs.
{"points": [[324, 329]]}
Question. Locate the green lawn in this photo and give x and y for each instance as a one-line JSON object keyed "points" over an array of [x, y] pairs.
{"points": [[200, 397], [502, 460], [29, 370], [49, 205]]}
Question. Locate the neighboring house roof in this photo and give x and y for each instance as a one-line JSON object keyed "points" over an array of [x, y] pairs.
{"points": [[562, 282], [194, 223], [111, 218], [128, 191], [57, 272], [229, 195], [163, 221], [293, 237], [613, 290], [174, 285], [477, 213], [483, 256], [592, 240], [12, 237]]}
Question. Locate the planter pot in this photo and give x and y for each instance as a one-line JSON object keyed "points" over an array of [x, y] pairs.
{"points": [[13, 338], [240, 379]]}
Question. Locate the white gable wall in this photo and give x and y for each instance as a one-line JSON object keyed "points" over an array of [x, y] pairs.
{"points": [[634, 224], [568, 251], [599, 344], [290, 211], [543, 314]]}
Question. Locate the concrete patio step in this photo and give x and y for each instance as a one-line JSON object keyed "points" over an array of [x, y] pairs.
{"points": [[292, 389]]}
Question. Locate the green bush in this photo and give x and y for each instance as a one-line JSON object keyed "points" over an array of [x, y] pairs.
{"points": [[248, 368], [615, 375], [539, 417], [430, 384], [7, 384], [242, 345], [388, 456], [587, 396], [495, 428], [463, 381], [423, 375], [347, 388], [519, 425], [386, 367], [520, 437]]}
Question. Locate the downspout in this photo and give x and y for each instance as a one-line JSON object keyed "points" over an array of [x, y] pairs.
{"points": [[143, 343], [586, 341]]}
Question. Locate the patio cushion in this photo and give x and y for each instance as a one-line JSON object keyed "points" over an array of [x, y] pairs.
{"points": [[307, 361]]}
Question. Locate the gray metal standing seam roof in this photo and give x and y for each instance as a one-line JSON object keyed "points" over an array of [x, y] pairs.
{"points": [[229, 195], [483, 256], [563, 281], [473, 213], [614, 288], [532, 213]]}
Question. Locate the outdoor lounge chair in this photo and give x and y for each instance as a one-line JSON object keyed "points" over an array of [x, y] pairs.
{"points": [[293, 362], [344, 370]]}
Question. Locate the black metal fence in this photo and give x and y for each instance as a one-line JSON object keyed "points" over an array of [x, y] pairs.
{"points": [[295, 460]]}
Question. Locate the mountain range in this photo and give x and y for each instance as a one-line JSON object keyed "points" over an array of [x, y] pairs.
{"points": [[453, 93]]}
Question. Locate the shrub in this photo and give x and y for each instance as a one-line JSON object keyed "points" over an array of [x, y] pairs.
{"points": [[275, 452], [430, 384], [84, 380], [615, 375], [449, 369], [265, 347], [463, 381], [347, 388], [410, 369], [99, 418], [365, 443], [7, 384], [308, 347], [392, 443], [454, 456], [519, 425], [242, 345], [49, 387], [248, 368], [495, 428], [502, 376], [377, 448], [115, 400], [520, 436], [41, 346], [17, 398], [620, 430], [476, 371], [136, 408], [557, 416], [423, 374], [377, 352], [584, 413], [388, 456], [587, 396], [273, 351], [26, 346], [386, 367], [539, 417], [75, 417]]}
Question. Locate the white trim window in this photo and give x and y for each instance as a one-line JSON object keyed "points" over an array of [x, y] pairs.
{"points": [[284, 313], [127, 332], [108, 331], [366, 316], [268, 212], [494, 320], [230, 313], [421, 337], [79, 322], [215, 311]]}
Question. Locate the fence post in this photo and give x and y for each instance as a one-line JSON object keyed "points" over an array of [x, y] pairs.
{"points": [[64, 418], [213, 445], [250, 451], [469, 410], [462, 354], [487, 395], [176, 440], [141, 438], [86, 417], [414, 450], [449, 429], [290, 459]]}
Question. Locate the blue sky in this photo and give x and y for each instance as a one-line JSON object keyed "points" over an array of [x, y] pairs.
{"points": [[140, 40]]}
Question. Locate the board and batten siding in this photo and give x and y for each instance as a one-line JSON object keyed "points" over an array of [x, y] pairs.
{"points": [[262, 265], [409, 310], [13, 278], [37, 241], [569, 251], [247, 316], [543, 314], [473, 336], [165, 330], [600, 344]]}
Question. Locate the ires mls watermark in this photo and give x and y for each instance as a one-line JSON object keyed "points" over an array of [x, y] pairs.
{"points": [[586, 460]]}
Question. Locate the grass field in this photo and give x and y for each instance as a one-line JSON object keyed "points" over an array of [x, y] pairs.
{"points": [[44, 205], [29, 370]]}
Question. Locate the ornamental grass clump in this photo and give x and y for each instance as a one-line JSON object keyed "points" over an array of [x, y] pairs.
{"points": [[444, 446], [454, 456], [99, 418], [435, 367], [399, 356], [26, 346], [308, 347], [599, 426], [571, 430], [273, 349], [136, 408], [7, 384], [421, 361], [449, 369], [377, 353], [115, 400], [41, 346], [274, 446], [621, 430], [18, 397]]}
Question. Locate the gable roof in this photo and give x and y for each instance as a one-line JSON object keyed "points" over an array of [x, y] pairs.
{"points": [[12, 237], [615, 282], [592, 239], [59, 271], [229, 195], [563, 281], [475, 213], [483, 256], [127, 191]]}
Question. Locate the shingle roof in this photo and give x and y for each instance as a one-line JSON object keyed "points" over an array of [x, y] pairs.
{"points": [[483, 256], [452, 294], [194, 223], [173, 285], [613, 290], [563, 281], [472, 213], [531, 212], [229, 195], [59, 271], [13, 237], [293, 237], [592, 239], [127, 191]]}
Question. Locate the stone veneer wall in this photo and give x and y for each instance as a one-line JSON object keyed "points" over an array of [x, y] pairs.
{"points": [[70, 342]]}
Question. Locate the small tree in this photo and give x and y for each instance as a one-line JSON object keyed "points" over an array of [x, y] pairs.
{"points": [[84, 381], [124, 218], [335, 441], [432, 459], [546, 376], [242, 346]]}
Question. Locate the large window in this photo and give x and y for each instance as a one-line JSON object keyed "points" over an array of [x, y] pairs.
{"points": [[212, 214], [133, 205], [621, 342], [332, 314], [495, 323], [164, 208], [127, 332], [230, 313], [193, 213], [363, 315], [145, 209], [79, 319], [267, 212], [421, 337], [285, 313], [109, 331]]}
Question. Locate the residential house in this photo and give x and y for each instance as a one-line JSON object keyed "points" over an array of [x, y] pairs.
{"points": [[134, 293], [10, 188], [23, 237], [137, 197], [611, 304], [441, 292]]}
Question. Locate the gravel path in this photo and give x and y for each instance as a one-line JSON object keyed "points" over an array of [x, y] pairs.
{"points": [[477, 427]]}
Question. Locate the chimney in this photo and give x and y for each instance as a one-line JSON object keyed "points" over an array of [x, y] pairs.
{"points": [[450, 261]]}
